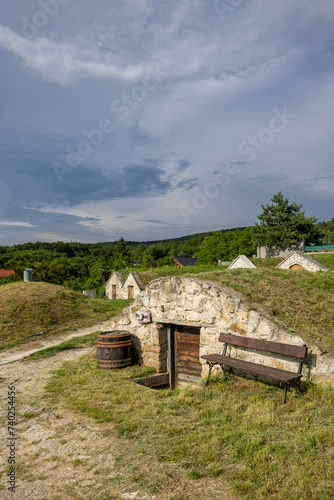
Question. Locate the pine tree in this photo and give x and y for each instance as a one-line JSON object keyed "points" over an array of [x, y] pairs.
{"points": [[283, 224]]}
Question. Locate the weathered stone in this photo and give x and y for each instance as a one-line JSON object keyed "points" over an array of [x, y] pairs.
{"points": [[224, 316], [155, 356], [239, 327], [176, 300], [155, 348], [265, 329], [252, 321], [193, 316]]}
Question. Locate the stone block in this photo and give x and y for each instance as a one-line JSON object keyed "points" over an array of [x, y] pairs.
{"points": [[207, 318], [155, 348], [265, 329], [208, 338], [154, 355], [238, 327], [193, 316], [159, 336], [252, 321]]}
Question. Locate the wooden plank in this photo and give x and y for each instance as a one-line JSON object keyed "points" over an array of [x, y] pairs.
{"points": [[197, 324], [190, 378], [187, 358], [187, 329], [254, 368], [187, 349], [189, 345], [170, 356], [188, 337], [154, 380], [264, 345]]}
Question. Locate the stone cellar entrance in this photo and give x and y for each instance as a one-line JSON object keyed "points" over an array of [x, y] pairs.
{"points": [[175, 321]]}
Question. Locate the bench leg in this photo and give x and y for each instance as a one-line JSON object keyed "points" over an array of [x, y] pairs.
{"points": [[286, 387], [211, 365]]}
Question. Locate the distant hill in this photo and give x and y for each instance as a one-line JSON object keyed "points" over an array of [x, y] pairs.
{"points": [[185, 238]]}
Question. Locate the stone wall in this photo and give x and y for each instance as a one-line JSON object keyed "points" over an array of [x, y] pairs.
{"points": [[215, 309]]}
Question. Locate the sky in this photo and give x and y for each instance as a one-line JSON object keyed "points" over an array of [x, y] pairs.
{"points": [[154, 119]]}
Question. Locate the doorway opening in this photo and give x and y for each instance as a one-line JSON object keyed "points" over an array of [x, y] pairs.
{"points": [[184, 365]]}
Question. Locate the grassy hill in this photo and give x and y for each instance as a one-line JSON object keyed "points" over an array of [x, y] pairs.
{"points": [[31, 308], [300, 302]]}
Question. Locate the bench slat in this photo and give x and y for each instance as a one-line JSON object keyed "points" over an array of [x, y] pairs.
{"points": [[267, 371], [264, 345]]}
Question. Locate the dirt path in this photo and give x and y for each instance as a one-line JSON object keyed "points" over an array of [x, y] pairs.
{"points": [[62, 455], [59, 454], [24, 350]]}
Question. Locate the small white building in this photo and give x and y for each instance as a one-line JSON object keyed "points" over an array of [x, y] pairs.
{"points": [[241, 262], [114, 286], [117, 288], [297, 260], [132, 286]]}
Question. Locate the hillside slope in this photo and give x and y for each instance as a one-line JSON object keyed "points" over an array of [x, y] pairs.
{"points": [[31, 308], [300, 302]]}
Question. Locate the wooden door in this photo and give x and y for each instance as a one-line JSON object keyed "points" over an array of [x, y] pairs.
{"points": [[130, 292], [186, 348], [113, 292]]}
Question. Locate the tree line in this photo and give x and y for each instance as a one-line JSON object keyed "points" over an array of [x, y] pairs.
{"points": [[87, 266]]}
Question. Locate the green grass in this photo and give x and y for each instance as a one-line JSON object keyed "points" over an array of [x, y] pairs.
{"points": [[86, 340], [300, 302], [234, 430], [36, 310]]}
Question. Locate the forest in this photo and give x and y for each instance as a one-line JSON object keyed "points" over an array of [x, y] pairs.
{"points": [[87, 266]]}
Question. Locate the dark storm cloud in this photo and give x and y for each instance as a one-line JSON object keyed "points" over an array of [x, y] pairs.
{"points": [[184, 87]]}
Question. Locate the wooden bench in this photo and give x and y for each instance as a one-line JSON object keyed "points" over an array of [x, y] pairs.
{"points": [[286, 378]]}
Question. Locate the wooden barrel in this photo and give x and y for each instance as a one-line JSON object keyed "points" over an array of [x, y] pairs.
{"points": [[114, 349]]}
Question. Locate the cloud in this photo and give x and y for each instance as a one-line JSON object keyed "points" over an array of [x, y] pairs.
{"points": [[187, 40], [222, 80], [64, 62], [19, 224], [155, 221]]}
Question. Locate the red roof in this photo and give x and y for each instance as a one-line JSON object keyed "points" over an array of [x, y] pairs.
{"points": [[4, 273]]}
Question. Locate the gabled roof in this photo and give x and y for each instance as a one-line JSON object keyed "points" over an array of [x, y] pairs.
{"points": [[4, 273], [241, 262], [185, 261], [296, 257], [118, 275], [136, 278]]}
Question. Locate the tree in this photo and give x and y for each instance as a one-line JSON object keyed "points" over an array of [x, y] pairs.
{"points": [[283, 224], [326, 230], [121, 256], [214, 248]]}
